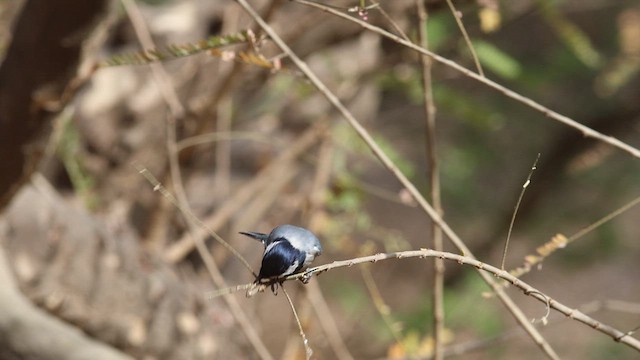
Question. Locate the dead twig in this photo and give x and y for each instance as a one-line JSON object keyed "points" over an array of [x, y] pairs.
{"points": [[515, 211], [305, 341]]}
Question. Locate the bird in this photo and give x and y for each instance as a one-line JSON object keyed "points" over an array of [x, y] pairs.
{"points": [[288, 249]]}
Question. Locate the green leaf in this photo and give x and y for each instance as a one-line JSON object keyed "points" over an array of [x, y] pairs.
{"points": [[174, 51], [438, 30], [496, 60]]}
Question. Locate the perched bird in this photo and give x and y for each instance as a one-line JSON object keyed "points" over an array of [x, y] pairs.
{"points": [[288, 249]]}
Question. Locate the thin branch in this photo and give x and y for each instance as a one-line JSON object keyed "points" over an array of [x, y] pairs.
{"points": [[484, 268], [604, 220], [458, 16], [515, 211], [585, 130], [629, 333], [434, 183], [386, 161], [387, 17], [308, 351]]}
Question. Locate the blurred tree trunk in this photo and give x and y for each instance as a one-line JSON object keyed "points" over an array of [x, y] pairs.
{"points": [[40, 61]]}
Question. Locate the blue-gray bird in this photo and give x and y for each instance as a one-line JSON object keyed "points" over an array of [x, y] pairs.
{"points": [[288, 249]]}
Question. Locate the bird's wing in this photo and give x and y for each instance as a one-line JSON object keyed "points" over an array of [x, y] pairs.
{"points": [[280, 259]]}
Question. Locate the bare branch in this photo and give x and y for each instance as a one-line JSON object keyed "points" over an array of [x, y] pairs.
{"points": [[305, 341]]}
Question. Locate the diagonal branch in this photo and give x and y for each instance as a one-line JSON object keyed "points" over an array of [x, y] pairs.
{"points": [[434, 180], [585, 130]]}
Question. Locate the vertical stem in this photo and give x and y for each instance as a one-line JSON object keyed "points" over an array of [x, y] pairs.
{"points": [[457, 15], [434, 183], [305, 341]]}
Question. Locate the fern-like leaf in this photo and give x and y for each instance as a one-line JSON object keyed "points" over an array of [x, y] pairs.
{"points": [[178, 51]]}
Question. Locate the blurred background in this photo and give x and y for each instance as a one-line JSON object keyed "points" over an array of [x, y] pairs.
{"points": [[246, 143]]}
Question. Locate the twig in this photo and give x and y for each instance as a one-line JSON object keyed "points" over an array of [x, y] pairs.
{"points": [[386, 161], [515, 211], [308, 351], [604, 220], [629, 333], [585, 130], [386, 15], [458, 16], [434, 183]]}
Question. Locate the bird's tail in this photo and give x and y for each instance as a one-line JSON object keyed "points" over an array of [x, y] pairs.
{"points": [[256, 235]]}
